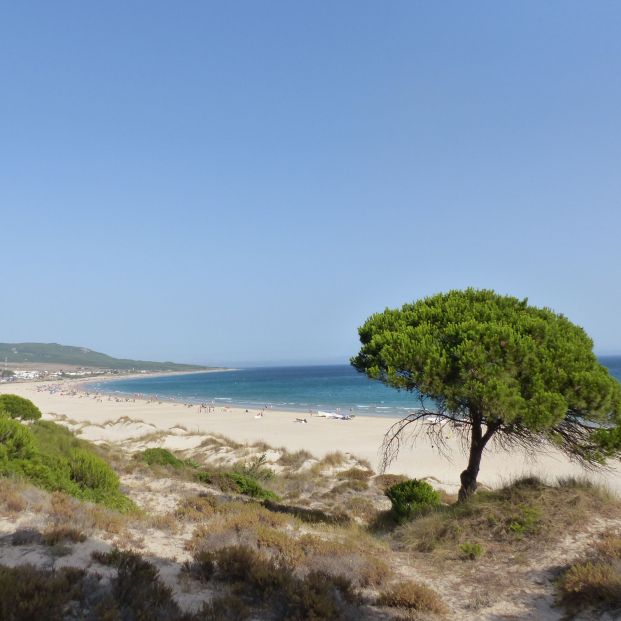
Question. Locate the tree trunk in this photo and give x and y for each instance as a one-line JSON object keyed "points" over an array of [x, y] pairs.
{"points": [[477, 443], [469, 476]]}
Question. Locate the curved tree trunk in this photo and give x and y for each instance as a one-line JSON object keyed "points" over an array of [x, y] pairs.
{"points": [[477, 443], [469, 476]]}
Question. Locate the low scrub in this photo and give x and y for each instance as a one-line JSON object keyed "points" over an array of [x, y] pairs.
{"points": [[237, 482], [62, 534], [525, 512], [263, 582], [412, 596], [28, 593], [594, 583]]}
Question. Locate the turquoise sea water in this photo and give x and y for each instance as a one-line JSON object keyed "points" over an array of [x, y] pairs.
{"points": [[285, 388]]}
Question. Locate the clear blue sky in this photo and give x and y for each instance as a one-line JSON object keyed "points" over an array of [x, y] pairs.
{"points": [[241, 182]]}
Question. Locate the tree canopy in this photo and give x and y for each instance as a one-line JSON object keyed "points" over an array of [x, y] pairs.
{"points": [[19, 407], [494, 367]]}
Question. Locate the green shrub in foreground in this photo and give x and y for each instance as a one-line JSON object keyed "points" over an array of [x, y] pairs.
{"points": [[38, 457], [18, 407], [16, 441], [412, 498]]}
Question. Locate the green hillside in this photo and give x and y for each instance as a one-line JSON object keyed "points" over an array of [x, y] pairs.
{"points": [[81, 356]]}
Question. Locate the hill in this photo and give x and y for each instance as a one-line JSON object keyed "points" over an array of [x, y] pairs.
{"points": [[53, 353]]}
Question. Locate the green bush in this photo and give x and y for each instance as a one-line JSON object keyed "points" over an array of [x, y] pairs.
{"points": [[56, 440], [18, 407], [160, 457], [411, 498], [51, 457], [88, 470], [16, 441]]}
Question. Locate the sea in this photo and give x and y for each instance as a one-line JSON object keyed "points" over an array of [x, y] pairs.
{"points": [[300, 389]]}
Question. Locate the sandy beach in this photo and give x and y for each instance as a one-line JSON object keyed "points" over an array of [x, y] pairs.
{"points": [[109, 419]]}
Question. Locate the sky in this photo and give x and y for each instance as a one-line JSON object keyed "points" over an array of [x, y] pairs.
{"points": [[245, 182]]}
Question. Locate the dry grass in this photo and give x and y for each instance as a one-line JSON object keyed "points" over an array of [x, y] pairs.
{"points": [[361, 507], [594, 582], [165, 521], [293, 460], [355, 474], [333, 460], [196, 508], [334, 550], [62, 534], [412, 596], [520, 515], [11, 496], [384, 481]]}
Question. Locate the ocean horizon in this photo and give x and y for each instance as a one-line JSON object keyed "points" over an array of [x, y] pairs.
{"points": [[292, 388]]}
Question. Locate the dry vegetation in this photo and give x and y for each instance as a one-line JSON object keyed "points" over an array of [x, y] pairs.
{"points": [[593, 583], [231, 531]]}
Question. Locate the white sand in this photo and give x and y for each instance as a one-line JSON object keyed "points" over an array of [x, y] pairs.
{"points": [[361, 436]]}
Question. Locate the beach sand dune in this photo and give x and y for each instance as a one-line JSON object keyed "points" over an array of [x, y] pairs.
{"points": [[107, 419]]}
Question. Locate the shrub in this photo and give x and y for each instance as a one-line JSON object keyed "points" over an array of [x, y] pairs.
{"points": [[19, 407], [412, 596], [16, 441], [28, 593], [471, 551], [160, 457], [196, 508], [256, 469], [591, 584], [62, 534], [412, 498], [316, 597], [90, 471], [137, 589], [224, 607], [52, 458], [56, 440], [237, 482]]}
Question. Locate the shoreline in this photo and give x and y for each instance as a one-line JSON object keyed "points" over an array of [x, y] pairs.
{"points": [[308, 410], [124, 421]]}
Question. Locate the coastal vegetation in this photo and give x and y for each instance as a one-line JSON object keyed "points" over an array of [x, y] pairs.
{"points": [[19, 407], [51, 457], [494, 369], [381, 546]]}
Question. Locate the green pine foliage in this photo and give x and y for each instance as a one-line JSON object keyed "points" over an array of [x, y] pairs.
{"points": [[19, 407], [496, 367]]}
